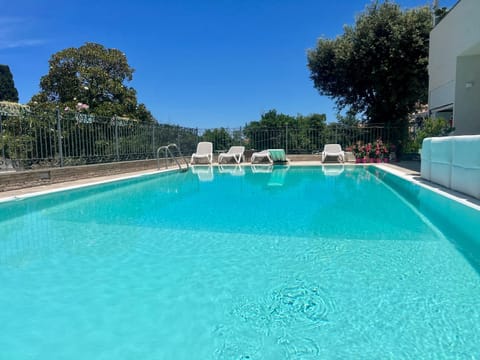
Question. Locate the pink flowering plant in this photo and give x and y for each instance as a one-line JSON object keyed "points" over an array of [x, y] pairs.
{"points": [[358, 150], [380, 150], [376, 150], [81, 107]]}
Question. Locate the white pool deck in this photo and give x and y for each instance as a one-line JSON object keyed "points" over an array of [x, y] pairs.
{"points": [[406, 170]]}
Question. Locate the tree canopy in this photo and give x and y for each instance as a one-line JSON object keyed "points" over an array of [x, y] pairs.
{"points": [[270, 131], [378, 67], [95, 77], [8, 92], [274, 120]]}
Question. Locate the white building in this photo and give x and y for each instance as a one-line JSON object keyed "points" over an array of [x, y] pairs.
{"points": [[454, 68]]}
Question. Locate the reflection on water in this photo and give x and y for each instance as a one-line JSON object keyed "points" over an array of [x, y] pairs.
{"points": [[235, 170], [203, 172], [287, 201], [332, 170], [278, 176], [262, 168]]}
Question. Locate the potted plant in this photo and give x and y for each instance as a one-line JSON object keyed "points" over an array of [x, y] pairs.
{"points": [[370, 150], [379, 150], [359, 152]]}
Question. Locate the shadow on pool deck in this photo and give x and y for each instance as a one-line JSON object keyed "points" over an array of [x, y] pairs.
{"points": [[412, 167]]}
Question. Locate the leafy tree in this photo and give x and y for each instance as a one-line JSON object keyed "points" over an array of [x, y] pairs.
{"points": [[440, 13], [272, 120], [431, 127], [91, 75], [349, 119], [274, 129], [308, 133], [8, 92], [312, 121], [269, 131], [220, 137], [377, 68]]}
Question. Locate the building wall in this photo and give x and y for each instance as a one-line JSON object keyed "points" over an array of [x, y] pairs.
{"points": [[455, 43], [467, 95]]}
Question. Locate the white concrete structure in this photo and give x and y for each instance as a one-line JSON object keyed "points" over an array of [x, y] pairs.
{"points": [[426, 159], [453, 162], [454, 68]]}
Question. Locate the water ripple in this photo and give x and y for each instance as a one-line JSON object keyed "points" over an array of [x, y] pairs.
{"points": [[301, 303], [276, 326]]}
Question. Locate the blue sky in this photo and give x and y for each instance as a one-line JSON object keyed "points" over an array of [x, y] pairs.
{"points": [[198, 63]]}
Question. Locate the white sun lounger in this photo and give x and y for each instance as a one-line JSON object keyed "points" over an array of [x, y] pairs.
{"points": [[272, 155], [333, 150], [204, 152], [235, 153], [261, 156]]}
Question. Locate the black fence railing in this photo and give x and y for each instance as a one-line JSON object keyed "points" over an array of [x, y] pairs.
{"points": [[53, 139]]}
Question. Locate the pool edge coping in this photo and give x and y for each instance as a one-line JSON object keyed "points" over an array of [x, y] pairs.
{"points": [[410, 176], [416, 179], [25, 193]]}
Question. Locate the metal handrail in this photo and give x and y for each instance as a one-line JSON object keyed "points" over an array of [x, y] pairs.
{"points": [[169, 154]]}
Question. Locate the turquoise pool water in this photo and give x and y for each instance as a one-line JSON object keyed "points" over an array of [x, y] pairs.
{"points": [[292, 264]]}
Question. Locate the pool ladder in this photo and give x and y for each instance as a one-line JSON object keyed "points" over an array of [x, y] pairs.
{"points": [[168, 154]]}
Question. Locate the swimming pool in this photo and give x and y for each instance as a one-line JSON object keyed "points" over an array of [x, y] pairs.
{"points": [[296, 263]]}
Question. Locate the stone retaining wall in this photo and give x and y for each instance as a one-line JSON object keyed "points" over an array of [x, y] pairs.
{"points": [[12, 180]]}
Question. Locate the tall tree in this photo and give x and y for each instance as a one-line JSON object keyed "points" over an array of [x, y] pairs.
{"points": [[274, 120], [377, 68], [220, 137], [8, 92], [91, 75], [304, 132]]}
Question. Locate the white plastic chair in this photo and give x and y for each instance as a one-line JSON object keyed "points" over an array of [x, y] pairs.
{"points": [[333, 150], [235, 153], [204, 151]]}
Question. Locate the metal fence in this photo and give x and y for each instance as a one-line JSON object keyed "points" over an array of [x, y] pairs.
{"points": [[53, 139], [307, 141]]}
